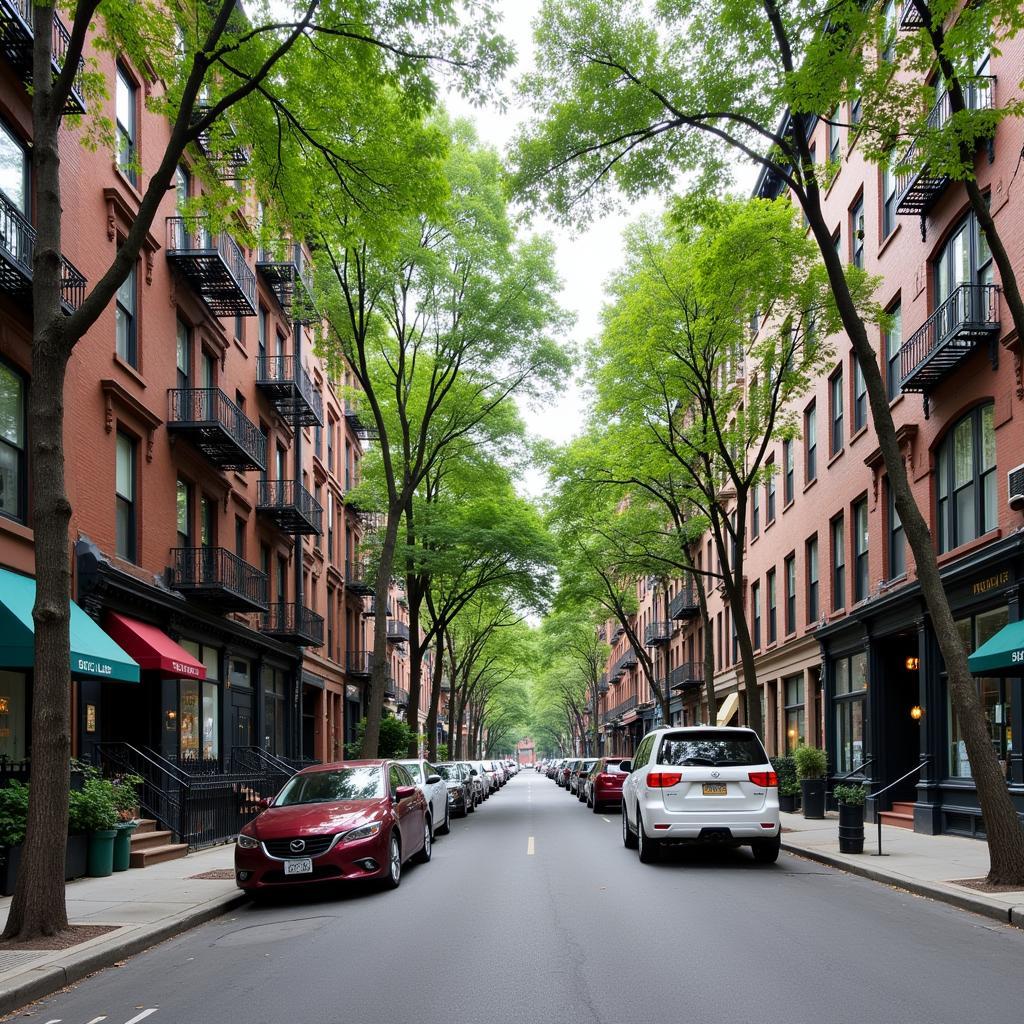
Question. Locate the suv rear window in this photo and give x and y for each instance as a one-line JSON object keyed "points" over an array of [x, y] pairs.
{"points": [[612, 767], [712, 747]]}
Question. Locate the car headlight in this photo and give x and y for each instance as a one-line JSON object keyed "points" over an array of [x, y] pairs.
{"points": [[247, 842], [363, 832], [455, 791]]}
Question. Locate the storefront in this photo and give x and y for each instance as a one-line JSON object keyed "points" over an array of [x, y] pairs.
{"points": [[888, 706]]}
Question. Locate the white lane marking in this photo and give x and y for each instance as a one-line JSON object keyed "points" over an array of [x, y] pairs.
{"points": [[142, 1016], [96, 1020], [55, 1021], [529, 853], [603, 818]]}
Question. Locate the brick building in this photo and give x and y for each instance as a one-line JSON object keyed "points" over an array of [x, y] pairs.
{"points": [[844, 647]]}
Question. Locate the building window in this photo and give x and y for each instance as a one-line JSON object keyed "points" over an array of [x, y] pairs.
{"points": [[838, 564], [851, 683], [857, 232], [888, 202], [125, 497], [755, 599], [126, 306], [893, 339], [274, 709], [207, 522], [773, 624], [812, 579], [860, 397], [184, 513], [755, 511], [966, 485], [13, 477], [835, 391], [833, 135], [890, 28], [240, 537], [965, 259], [184, 355], [769, 489], [788, 464], [262, 334], [282, 579], [861, 582], [793, 695], [126, 102], [855, 110], [897, 542], [811, 442], [790, 567]]}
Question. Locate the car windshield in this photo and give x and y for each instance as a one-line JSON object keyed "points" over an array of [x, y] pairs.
{"points": [[362, 783], [716, 748], [587, 765], [414, 768], [449, 772]]}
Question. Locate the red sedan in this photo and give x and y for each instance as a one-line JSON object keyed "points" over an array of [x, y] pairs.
{"points": [[604, 784], [335, 822]]}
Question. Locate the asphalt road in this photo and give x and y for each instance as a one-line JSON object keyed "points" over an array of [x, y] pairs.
{"points": [[533, 912]]}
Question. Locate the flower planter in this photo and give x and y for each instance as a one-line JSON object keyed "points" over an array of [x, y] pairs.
{"points": [[101, 853], [851, 828], [812, 793], [788, 802], [123, 845], [76, 860], [10, 861]]}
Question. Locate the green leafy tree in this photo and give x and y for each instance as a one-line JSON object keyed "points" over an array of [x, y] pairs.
{"points": [[631, 96]]}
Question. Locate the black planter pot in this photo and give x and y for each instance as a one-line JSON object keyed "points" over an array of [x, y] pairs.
{"points": [[77, 858], [788, 802], [10, 861], [812, 792], [851, 828]]}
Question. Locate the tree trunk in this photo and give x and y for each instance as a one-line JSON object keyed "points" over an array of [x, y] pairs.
{"points": [[414, 595], [435, 702]]}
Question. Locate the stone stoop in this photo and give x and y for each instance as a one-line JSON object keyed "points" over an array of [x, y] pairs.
{"points": [[901, 815], [151, 845]]}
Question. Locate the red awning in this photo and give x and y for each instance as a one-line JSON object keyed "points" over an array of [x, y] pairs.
{"points": [[153, 649]]}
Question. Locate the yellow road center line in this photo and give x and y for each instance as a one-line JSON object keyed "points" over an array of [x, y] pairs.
{"points": [[529, 847]]}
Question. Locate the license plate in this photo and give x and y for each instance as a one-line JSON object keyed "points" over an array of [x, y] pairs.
{"points": [[299, 867], [715, 789]]}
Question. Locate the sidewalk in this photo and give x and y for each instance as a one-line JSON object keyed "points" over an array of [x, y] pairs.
{"points": [[926, 865], [148, 905]]}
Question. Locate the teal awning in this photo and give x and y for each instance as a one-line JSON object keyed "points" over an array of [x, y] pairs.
{"points": [[1002, 654], [93, 653]]}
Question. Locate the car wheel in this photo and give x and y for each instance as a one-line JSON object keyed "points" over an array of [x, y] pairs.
{"points": [[628, 839], [595, 806], [590, 801], [648, 849], [447, 826], [766, 851], [471, 805], [393, 878], [423, 857]]}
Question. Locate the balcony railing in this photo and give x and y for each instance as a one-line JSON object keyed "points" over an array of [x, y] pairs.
{"points": [[685, 603], [16, 36], [619, 710], [398, 631], [910, 18], [359, 663], [689, 673], [949, 336], [357, 420], [229, 161], [401, 696], [370, 611], [219, 576], [17, 248], [657, 633], [918, 190], [626, 661], [294, 624], [217, 427], [284, 380], [290, 506], [290, 274], [602, 683], [213, 264], [357, 577]]}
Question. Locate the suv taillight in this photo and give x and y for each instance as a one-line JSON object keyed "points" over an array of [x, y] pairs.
{"points": [[764, 779], [662, 780]]}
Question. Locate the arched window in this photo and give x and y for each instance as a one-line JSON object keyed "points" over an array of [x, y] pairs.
{"points": [[966, 488]]}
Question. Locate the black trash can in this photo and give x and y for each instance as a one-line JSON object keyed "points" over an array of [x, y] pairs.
{"points": [[812, 793], [851, 828]]}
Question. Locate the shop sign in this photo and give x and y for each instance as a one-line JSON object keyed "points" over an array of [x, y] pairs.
{"points": [[181, 669], [90, 717], [990, 583], [91, 667]]}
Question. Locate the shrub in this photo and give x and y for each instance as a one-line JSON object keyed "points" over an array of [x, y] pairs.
{"points": [[852, 795], [126, 796], [13, 813], [811, 762], [785, 769], [94, 807], [395, 737], [442, 751]]}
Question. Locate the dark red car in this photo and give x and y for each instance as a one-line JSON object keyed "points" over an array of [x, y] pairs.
{"points": [[335, 822], [603, 786]]}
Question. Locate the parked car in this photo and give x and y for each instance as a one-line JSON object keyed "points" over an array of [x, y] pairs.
{"points": [[701, 784], [478, 781], [432, 786], [603, 784], [461, 791], [495, 768], [578, 774], [337, 822], [562, 778], [489, 781]]}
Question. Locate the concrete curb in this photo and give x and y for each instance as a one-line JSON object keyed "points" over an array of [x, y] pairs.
{"points": [[963, 901], [46, 980]]}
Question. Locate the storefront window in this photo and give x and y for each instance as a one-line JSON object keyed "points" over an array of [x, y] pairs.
{"points": [[12, 443], [199, 708], [13, 716], [795, 722], [996, 695], [851, 681], [274, 710], [189, 716]]}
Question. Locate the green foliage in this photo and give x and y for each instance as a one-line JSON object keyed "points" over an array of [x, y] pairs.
{"points": [[94, 807], [442, 751], [13, 813], [395, 737], [785, 769], [811, 762], [851, 795], [126, 795]]}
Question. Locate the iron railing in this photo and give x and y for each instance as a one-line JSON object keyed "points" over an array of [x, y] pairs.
{"points": [[689, 673], [620, 709], [685, 602], [290, 387], [290, 505], [656, 633], [626, 661], [297, 623], [214, 264], [217, 427], [256, 759], [357, 577], [290, 273], [398, 630], [221, 575], [359, 663]]}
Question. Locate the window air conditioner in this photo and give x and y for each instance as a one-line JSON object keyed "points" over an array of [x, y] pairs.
{"points": [[1015, 488]]}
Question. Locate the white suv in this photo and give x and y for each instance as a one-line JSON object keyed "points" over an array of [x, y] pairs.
{"points": [[701, 784]]}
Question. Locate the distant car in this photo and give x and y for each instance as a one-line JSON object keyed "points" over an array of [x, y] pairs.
{"points": [[461, 790], [487, 776], [603, 785], [562, 775], [479, 783], [701, 784], [433, 787], [578, 774], [337, 822]]}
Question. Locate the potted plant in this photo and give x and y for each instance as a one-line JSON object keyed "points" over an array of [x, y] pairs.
{"points": [[851, 817], [811, 765], [126, 800], [13, 821], [94, 810], [789, 787]]}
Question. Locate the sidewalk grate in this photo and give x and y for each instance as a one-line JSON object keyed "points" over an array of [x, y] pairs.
{"points": [[10, 959]]}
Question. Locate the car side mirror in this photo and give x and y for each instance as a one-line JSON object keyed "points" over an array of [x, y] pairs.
{"points": [[626, 766], [264, 803], [474, 772], [432, 779], [404, 792]]}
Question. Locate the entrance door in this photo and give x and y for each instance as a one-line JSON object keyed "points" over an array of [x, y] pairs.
{"points": [[241, 719]]}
